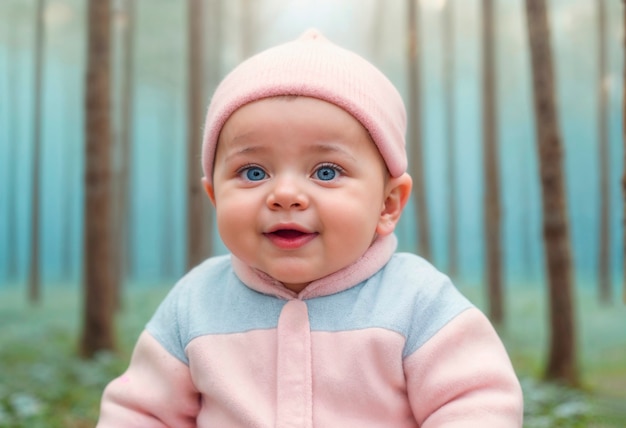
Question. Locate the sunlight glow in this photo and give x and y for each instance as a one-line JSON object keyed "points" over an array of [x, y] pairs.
{"points": [[435, 5], [58, 13]]}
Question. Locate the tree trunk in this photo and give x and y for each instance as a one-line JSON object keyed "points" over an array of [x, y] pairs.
{"points": [[248, 27], [98, 332], [215, 43], [13, 104], [416, 164], [528, 236], [449, 69], [197, 202], [166, 148], [377, 33], [604, 253], [492, 222], [122, 201], [68, 178], [214, 75], [624, 144], [34, 281], [562, 364]]}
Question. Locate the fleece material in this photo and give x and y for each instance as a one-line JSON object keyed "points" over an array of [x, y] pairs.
{"points": [[396, 347]]}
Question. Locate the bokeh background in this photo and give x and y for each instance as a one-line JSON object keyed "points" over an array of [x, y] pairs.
{"points": [[376, 32], [155, 238]]}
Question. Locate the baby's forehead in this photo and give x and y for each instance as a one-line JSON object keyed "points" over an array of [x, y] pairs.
{"points": [[281, 115]]}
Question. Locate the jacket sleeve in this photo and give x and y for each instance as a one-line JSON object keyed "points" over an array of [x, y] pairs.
{"points": [[462, 377], [156, 391]]}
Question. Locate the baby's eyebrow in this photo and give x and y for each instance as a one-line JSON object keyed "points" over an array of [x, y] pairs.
{"points": [[333, 148], [240, 147], [243, 150], [240, 141]]}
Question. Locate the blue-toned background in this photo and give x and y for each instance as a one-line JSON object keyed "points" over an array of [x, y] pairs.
{"points": [[157, 232]]}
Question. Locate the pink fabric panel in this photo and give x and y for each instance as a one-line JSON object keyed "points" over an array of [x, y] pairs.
{"points": [[463, 377], [236, 374], [359, 376], [155, 392], [295, 391], [353, 378]]}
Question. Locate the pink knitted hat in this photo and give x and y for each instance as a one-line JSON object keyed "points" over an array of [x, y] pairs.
{"points": [[312, 66]]}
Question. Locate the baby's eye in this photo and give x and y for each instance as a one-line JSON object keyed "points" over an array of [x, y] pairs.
{"points": [[327, 172], [253, 173]]}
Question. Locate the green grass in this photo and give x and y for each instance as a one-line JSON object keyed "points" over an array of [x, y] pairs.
{"points": [[44, 384], [42, 381]]}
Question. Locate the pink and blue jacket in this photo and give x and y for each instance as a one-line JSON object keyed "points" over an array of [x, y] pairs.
{"points": [[386, 342]]}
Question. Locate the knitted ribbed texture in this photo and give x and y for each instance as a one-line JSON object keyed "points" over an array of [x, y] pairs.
{"points": [[313, 66]]}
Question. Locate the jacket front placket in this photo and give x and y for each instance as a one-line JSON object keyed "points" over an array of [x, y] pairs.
{"points": [[294, 372]]}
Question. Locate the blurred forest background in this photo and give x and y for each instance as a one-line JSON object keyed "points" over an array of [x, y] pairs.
{"points": [[467, 79]]}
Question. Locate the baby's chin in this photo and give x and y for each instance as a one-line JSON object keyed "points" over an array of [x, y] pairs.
{"points": [[293, 282], [295, 278]]}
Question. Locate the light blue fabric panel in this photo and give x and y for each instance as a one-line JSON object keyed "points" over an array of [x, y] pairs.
{"points": [[407, 296], [211, 300]]}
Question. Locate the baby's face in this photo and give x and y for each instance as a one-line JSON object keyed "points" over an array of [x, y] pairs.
{"points": [[299, 188]]}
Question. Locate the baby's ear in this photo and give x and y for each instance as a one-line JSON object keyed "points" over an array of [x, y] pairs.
{"points": [[208, 188], [397, 192]]}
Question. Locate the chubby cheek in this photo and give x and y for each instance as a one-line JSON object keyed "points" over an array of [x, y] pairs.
{"points": [[352, 227], [234, 222]]}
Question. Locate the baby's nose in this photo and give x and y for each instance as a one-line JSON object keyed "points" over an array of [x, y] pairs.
{"points": [[287, 193]]}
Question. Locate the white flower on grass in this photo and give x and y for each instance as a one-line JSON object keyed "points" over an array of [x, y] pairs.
{"points": [[25, 405]]}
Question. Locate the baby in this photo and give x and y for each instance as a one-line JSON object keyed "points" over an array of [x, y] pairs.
{"points": [[313, 320]]}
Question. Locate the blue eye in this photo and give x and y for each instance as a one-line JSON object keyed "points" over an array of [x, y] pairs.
{"points": [[254, 173], [326, 173]]}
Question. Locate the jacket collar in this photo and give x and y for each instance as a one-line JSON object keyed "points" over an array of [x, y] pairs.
{"points": [[376, 256]]}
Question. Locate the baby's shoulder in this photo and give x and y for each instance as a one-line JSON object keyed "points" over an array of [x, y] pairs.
{"points": [[416, 297], [203, 280], [409, 269]]}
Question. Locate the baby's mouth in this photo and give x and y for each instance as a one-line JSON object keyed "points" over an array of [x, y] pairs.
{"points": [[288, 233], [290, 238]]}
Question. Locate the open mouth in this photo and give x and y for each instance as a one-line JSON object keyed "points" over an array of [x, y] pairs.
{"points": [[290, 238], [288, 233]]}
